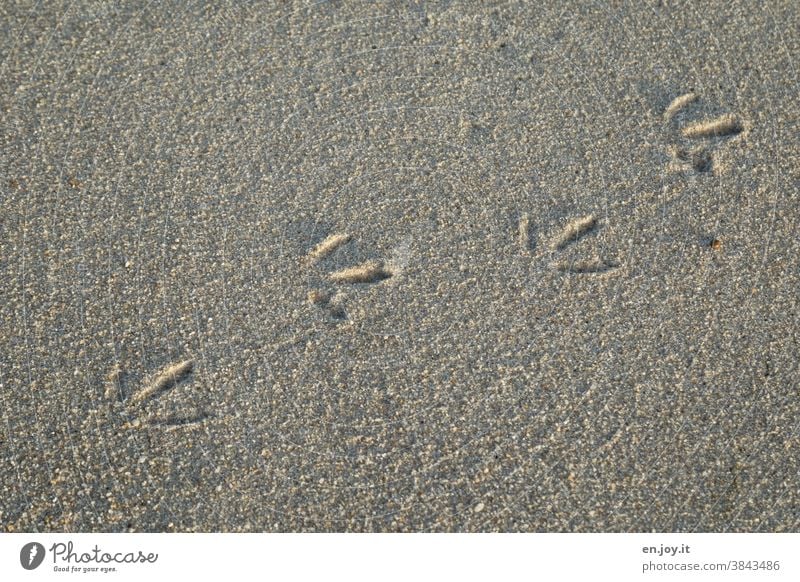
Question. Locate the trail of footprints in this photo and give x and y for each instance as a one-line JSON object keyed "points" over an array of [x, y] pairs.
{"points": [[147, 406], [137, 404], [370, 272], [700, 158], [374, 272]]}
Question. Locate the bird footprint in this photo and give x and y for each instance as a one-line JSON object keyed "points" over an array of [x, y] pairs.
{"points": [[686, 153], [570, 234], [137, 405], [369, 272]]}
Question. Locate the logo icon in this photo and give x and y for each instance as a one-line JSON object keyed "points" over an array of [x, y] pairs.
{"points": [[32, 555]]}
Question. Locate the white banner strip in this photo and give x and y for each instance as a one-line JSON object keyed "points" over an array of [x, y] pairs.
{"points": [[380, 557]]}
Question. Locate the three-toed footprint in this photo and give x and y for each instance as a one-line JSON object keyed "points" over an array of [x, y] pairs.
{"points": [[685, 151], [141, 407], [569, 235], [333, 299]]}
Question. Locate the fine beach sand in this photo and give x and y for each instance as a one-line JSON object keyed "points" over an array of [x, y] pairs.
{"points": [[400, 266]]}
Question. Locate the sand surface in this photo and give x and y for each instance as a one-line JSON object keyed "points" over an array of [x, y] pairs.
{"points": [[399, 266]]}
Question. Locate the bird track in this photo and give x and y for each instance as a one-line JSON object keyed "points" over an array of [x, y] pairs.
{"points": [[700, 158], [570, 234], [367, 273], [136, 406]]}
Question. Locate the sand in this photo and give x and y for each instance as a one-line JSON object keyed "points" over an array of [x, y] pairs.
{"points": [[563, 296]]}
